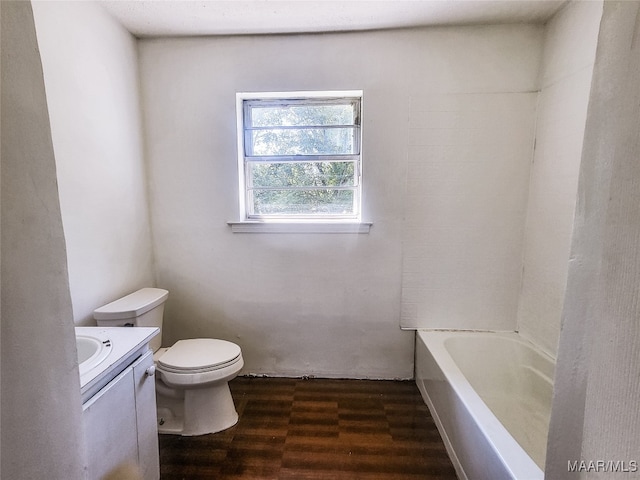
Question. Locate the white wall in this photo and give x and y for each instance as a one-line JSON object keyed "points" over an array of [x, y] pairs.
{"points": [[41, 432], [569, 54], [470, 145], [302, 304], [468, 175], [91, 78], [595, 406]]}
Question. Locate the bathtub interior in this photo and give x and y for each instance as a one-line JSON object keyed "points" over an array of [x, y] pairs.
{"points": [[515, 382], [490, 395]]}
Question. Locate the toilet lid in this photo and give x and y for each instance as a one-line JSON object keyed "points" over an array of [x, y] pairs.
{"points": [[199, 354]]}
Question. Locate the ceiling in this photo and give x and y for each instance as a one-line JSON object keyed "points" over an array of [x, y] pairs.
{"points": [[151, 18]]}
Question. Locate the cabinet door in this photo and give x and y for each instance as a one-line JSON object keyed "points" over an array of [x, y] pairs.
{"points": [[146, 417], [110, 431]]}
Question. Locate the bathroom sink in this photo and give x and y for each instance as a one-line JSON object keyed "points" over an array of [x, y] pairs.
{"points": [[91, 351], [104, 352]]}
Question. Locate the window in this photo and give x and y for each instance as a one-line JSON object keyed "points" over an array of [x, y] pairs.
{"points": [[299, 156]]}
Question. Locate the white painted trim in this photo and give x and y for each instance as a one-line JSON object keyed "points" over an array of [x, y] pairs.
{"points": [[300, 227], [298, 94]]}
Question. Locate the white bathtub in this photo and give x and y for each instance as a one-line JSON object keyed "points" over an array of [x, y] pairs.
{"points": [[490, 396]]}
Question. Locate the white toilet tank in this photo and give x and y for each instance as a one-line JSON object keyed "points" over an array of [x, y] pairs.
{"points": [[143, 308]]}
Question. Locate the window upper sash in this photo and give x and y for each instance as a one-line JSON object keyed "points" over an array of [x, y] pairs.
{"points": [[302, 158], [302, 129]]}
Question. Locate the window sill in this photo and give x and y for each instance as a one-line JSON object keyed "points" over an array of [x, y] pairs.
{"points": [[300, 227]]}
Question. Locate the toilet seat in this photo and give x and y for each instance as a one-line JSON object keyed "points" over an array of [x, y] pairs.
{"points": [[198, 362], [198, 355]]}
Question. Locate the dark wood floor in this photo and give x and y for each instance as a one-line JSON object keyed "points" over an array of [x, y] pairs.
{"points": [[315, 429]]}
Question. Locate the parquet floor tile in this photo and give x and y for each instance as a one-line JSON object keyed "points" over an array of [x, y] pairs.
{"points": [[315, 429]]}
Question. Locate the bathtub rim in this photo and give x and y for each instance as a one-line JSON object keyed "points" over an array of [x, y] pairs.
{"points": [[519, 464]]}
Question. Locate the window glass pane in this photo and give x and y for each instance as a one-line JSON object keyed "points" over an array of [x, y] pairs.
{"points": [[303, 141], [300, 156], [303, 202], [297, 115], [301, 174]]}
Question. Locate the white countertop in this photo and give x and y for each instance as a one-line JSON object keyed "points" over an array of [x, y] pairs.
{"points": [[126, 344]]}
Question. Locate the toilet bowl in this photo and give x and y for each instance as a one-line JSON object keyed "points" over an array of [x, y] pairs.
{"points": [[192, 386], [192, 376]]}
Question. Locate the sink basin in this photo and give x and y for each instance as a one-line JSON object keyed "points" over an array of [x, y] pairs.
{"points": [[104, 352], [91, 351]]}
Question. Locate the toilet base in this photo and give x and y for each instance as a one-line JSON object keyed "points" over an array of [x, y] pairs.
{"points": [[196, 411]]}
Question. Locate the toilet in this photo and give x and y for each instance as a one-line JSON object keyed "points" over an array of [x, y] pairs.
{"points": [[192, 376]]}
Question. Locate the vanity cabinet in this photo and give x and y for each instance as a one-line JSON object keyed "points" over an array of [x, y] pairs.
{"points": [[120, 423]]}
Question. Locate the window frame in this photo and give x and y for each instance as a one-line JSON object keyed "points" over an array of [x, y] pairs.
{"points": [[244, 100]]}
